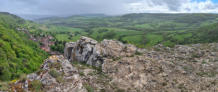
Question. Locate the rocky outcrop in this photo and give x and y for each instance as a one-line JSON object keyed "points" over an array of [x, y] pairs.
{"points": [[55, 75], [182, 68], [125, 68], [116, 49], [91, 52], [68, 49], [85, 50]]}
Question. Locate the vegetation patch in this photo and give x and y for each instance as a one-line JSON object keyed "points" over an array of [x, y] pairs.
{"points": [[36, 86], [89, 87], [21, 55], [54, 73], [207, 74], [4, 86]]}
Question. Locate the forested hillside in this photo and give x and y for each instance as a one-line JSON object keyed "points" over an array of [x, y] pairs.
{"points": [[18, 54], [142, 30]]}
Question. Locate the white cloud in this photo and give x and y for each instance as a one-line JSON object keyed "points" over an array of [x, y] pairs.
{"points": [[185, 6], [202, 7]]}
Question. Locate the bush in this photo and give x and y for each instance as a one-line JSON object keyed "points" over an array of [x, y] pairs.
{"points": [[109, 35], [138, 53], [54, 73], [36, 86]]}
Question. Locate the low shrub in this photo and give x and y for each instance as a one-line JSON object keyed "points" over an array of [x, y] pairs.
{"points": [[54, 73]]}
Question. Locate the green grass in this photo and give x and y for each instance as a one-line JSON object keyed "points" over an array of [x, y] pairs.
{"points": [[75, 38], [36, 86], [54, 73], [181, 37], [62, 29], [135, 39], [144, 26], [153, 39], [62, 37]]}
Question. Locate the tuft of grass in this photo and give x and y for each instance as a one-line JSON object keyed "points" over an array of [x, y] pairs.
{"points": [[89, 88], [204, 62], [56, 65], [81, 73], [36, 86], [54, 73], [120, 90], [207, 74], [4, 86], [82, 65], [60, 79], [23, 77], [194, 61], [116, 58], [138, 53]]}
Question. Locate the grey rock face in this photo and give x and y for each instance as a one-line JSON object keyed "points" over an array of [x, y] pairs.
{"points": [[91, 52], [68, 49], [85, 50], [190, 68], [117, 49], [56, 75]]}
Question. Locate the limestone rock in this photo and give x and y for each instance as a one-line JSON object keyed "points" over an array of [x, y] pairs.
{"points": [[91, 52], [125, 68], [68, 49], [55, 75]]}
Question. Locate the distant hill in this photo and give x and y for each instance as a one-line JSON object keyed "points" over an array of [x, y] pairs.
{"points": [[163, 22], [143, 29], [33, 17], [18, 55]]}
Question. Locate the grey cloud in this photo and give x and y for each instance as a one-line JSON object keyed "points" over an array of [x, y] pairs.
{"points": [[69, 7], [65, 6], [172, 4]]}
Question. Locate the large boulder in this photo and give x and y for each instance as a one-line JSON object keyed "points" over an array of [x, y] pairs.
{"points": [[85, 50], [89, 51]]}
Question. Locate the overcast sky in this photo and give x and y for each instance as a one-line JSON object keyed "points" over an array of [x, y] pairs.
{"points": [[70, 7]]}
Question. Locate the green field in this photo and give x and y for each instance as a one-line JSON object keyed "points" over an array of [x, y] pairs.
{"points": [[142, 30], [62, 37]]}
